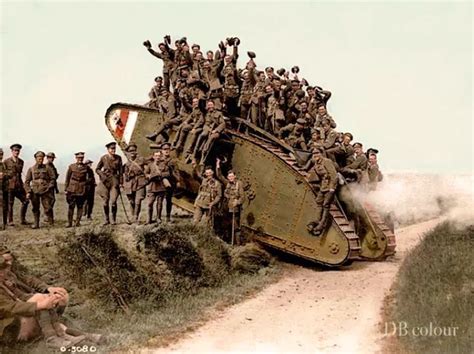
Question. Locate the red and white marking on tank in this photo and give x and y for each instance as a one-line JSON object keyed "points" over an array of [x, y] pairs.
{"points": [[122, 122]]}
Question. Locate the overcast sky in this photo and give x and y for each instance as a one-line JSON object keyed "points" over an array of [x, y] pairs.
{"points": [[400, 72]]}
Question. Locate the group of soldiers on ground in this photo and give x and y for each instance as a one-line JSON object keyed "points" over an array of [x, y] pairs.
{"points": [[154, 178], [200, 95], [29, 308]]}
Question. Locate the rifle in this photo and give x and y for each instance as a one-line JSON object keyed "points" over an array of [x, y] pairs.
{"points": [[121, 301]]}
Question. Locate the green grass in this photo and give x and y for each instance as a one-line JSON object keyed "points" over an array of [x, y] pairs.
{"points": [[436, 285], [172, 277]]}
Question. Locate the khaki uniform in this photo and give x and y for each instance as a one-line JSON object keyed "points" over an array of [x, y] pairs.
{"points": [[212, 121], [134, 184], [357, 169], [155, 172], [168, 65], [320, 119], [173, 179], [55, 190], [330, 138], [90, 193], [77, 179], [39, 181], [210, 193], [341, 154], [110, 171], [374, 176], [16, 188], [3, 195], [188, 124], [11, 309], [235, 196], [323, 177]]}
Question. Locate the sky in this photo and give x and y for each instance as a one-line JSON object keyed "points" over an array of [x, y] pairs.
{"points": [[400, 72]]}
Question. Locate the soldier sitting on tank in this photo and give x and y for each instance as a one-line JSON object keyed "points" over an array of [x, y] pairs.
{"points": [[234, 195], [296, 138], [155, 93], [288, 129], [374, 174], [342, 153], [356, 170], [323, 178], [187, 125], [323, 116], [330, 136], [209, 195], [167, 105], [316, 140], [214, 125]]}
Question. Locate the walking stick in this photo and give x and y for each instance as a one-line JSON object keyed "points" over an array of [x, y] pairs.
{"points": [[233, 227], [124, 209]]}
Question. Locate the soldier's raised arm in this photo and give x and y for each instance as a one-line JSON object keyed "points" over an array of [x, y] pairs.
{"points": [[219, 174]]}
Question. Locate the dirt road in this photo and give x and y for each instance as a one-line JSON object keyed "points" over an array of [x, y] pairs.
{"points": [[307, 311]]}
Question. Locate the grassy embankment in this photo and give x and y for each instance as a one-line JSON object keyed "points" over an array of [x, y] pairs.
{"points": [[435, 285], [171, 278]]}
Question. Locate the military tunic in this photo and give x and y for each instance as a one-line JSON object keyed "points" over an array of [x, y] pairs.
{"points": [[16, 189], [156, 172], [3, 194], [110, 172], [39, 181], [210, 193], [135, 184]]}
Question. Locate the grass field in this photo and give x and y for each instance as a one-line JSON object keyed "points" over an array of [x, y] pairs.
{"points": [[434, 294], [151, 321]]}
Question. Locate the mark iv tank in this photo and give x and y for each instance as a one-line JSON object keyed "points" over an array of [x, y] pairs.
{"points": [[280, 202]]}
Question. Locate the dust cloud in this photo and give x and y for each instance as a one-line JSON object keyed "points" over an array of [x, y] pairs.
{"points": [[414, 197]]}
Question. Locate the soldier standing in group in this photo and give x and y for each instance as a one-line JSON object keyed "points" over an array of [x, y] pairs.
{"points": [[50, 156], [173, 178], [110, 171], [14, 166], [3, 192], [210, 193], [157, 174], [323, 177], [76, 188], [90, 190], [234, 194], [134, 184], [39, 182]]}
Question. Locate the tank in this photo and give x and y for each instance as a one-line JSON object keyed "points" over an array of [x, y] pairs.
{"points": [[279, 203]]}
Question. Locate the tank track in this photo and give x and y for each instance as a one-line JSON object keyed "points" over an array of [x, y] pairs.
{"points": [[377, 219], [337, 214]]}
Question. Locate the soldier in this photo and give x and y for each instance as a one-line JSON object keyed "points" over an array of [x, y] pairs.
{"points": [[167, 55], [188, 125], [374, 174], [134, 180], [157, 174], [214, 125], [173, 178], [50, 156], [210, 193], [296, 138], [3, 192], [234, 194], [342, 153], [330, 136], [110, 171], [14, 167], [39, 182], [167, 105], [324, 116], [155, 93], [357, 169], [231, 84], [323, 177], [76, 188], [90, 190], [316, 140]]}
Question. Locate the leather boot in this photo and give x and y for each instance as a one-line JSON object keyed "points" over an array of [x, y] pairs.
{"points": [[114, 215], [150, 215], [37, 222], [322, 223], [79, 216], [106, 213], [23, 209], [70, 215]]}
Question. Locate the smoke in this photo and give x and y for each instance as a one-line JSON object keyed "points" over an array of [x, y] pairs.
{"points": [[413, 197]]}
